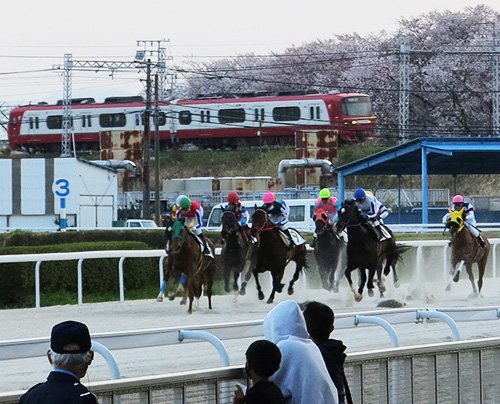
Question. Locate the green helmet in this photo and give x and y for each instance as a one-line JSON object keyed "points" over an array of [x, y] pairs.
{"points": [[185, 203], [325, 193]]}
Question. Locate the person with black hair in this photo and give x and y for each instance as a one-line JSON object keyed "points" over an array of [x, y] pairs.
{"points": [[263, 360], [319, 321], [70, 354]]}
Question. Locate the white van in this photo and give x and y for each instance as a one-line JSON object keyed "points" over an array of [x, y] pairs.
{"points": [[301, 213]]}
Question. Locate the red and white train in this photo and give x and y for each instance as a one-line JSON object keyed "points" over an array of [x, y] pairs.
{"points": [[205, 121]]}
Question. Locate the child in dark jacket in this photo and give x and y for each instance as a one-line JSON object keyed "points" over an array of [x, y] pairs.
{"points": [[319, 321], [263, 360]]}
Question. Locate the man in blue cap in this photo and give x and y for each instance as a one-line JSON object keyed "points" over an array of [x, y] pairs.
{"points": [[70, 355]]}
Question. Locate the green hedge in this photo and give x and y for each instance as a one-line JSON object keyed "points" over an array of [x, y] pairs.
{"points": [[100, 276]]}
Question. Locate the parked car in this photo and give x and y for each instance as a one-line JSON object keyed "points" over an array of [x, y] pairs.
{"points": [[140, 224]]}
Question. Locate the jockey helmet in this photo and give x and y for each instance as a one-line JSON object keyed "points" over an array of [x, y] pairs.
{"points": [[325, 193], [458, 199], [268, 197], [233, 197], [179, 198], [359, 194], [185, 203]]}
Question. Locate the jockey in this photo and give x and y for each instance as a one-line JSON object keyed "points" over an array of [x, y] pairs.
{"points": [[278, 212], [371, 209], [328, 204], [242, 215], [191, 212], [458, 202]]}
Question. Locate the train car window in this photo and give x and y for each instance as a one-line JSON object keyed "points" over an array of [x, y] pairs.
{"points": [[185, 117], [202, 116], [357, 106], [262, 114], [89, 120], [37, 123], [208, 116], [318, 113], [231, 115], [286, 114], [256, 115], [297, 213], [31, 122], [311, 113], [137, 119], [115, 120], [54, 122], [84, 121], [162, 119]]}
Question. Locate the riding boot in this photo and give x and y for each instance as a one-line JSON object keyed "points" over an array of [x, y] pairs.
{"points": [[206, 250], [480, 241], [313, 243]]}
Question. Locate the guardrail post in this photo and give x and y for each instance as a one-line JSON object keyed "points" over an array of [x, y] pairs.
{"points": [[37, 284], [80, 280], [108, 357], [206, 336], [120, 279], [160, 269], [494, 259], [441, 316], [381, 322]]}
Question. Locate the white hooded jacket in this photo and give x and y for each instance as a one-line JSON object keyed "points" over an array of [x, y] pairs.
{"points": [[302, 377]]}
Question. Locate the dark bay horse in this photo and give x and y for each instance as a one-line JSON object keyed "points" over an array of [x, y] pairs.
{"points": [[329, 251], [234, 250], [465, 248], [187, 258], [366, 253], [270, 253]]}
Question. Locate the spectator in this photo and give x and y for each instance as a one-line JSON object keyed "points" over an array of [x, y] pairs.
{"points": [[263, 360], [70, 354], [302, 376], [319, 321]]}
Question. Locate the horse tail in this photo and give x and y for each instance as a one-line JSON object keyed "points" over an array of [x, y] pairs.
{"points": [[399, 249]]}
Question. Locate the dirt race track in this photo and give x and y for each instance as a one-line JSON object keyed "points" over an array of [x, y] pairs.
{"points": [[146, 314]]}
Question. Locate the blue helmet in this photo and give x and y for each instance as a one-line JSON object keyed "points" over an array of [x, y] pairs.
{"points": [[359, 194]]}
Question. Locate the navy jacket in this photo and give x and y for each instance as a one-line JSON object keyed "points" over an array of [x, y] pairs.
{"points": [[60, 388]]}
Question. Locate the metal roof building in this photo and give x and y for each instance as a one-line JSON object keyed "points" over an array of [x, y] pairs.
{"points": [[429, 156]]}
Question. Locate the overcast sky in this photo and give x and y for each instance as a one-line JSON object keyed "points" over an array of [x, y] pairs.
{"points": [[36, 34]]}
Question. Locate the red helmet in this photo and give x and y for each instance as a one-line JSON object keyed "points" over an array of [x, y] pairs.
{"points": [[233, 197], [458, 199]]}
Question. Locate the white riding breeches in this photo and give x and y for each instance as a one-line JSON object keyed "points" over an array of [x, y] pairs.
{"points": [[474, 231]]}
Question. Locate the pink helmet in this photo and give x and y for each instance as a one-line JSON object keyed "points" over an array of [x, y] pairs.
{"points": [[268, 197], [458, 199]]}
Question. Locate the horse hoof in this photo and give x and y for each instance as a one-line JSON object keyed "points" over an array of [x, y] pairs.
{"points": [[227, 289], [456, 277], [279, 289], [448, 288], [370, 293], [269, 301], [261, 296], [171, 298], [243, 292], [290, 290], [473, 295], [183, 302], [335, 289], [397, 284], [358, 297], [159, 299]]}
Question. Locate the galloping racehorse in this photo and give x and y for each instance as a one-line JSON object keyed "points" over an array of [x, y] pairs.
{"points": [[329, 250], [234, 250], [364, 252], [270, 253], [465, 248], [187, 258]]}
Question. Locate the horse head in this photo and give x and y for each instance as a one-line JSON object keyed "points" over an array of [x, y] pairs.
{"points": [[348, 215], [320, 221], [229, 222], [260, 220], [179, 234], [456, 221]]}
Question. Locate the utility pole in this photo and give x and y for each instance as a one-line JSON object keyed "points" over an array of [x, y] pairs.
{"points": [[146, 145], [495, 113], [404, 90], [157, 155], [66, 126]]}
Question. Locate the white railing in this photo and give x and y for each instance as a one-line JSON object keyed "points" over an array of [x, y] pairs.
{"points": [[80, 256]]}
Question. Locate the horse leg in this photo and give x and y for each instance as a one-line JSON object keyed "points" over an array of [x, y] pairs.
{"points": [[260, 295], [357, 296], [236, 275], [481, 267], [246, 274], [277, 287], [362, 282], [369, 284], [296, 274], [380, 281], [468, 267], [227, 271], [161, 294]]}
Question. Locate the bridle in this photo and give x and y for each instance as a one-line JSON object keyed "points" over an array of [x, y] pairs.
{"points": [[234, 227], [266, 225]]}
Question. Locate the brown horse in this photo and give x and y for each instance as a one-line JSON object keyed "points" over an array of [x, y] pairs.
{"points": [[364, 252], [465, 248], [329, 251], [234, 251], [187, 258], [270, 253]]}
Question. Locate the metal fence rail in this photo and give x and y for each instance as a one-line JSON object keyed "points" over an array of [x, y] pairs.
{"points": [[450, 372]]}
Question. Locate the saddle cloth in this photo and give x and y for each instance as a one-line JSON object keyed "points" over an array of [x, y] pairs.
{"points": [[201, 246], [296, 237]]}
